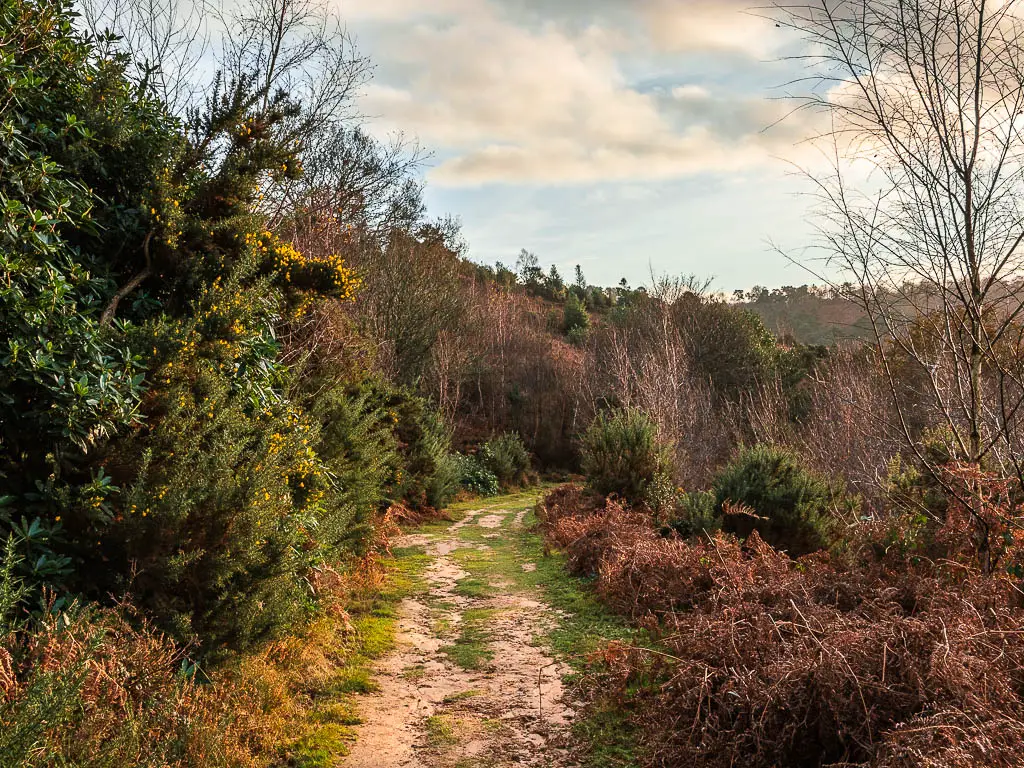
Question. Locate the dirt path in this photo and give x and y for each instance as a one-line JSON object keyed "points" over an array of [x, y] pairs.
{"points": [[470, 684]]}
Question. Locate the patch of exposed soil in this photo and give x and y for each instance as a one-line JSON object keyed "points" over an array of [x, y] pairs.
{"points": [[432, 713]]}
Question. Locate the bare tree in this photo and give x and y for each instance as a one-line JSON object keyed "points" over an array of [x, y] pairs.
{"points": [[190, 52], [351, 179], [922, 208], [167, 39], [413, 294], [300, 47]]}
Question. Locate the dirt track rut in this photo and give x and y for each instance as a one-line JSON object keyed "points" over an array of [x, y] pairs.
{"points": [[469, 684]]}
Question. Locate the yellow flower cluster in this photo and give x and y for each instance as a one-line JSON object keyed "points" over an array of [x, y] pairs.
{"points": [[343, 281]]}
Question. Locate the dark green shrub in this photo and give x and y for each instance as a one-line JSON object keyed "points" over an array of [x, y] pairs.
{"points": [[507, 457], [224, 514], [475, 477], [426, 475], [729, 347], [695, 514], [445, 483], [623, 454], [575, 320], [578, 336], [79, 144], [789, 505], [357, 446]]}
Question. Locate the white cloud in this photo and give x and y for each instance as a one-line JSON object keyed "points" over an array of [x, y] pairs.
{"points": [[701, 25], [506, 102], [553, 162], [687, 92], [404, 10]]}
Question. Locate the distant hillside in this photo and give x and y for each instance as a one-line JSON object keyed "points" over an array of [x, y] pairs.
{"points": [[809, 314]]}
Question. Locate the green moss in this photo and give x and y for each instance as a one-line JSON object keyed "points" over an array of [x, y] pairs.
{"points": [[441, 626], [321, 747], [376, 634], [460, 696], [473, 588], [471, 650], [475, 762], [440, 730], [339, 713], [355, 679], [493, 725]]}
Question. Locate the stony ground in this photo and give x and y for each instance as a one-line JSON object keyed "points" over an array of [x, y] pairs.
{"points": [[472, 682]]}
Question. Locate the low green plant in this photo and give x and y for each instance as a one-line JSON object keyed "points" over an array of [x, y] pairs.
{"points": [[507, 457], [471, 649], [695, 514], [768, 488], [475, 477], [623, 454]]}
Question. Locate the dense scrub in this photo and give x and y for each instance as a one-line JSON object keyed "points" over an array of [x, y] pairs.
{"points": [[820, 661]]}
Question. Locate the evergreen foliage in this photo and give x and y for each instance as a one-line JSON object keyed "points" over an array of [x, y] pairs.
{"points": [[575, 320], [506, 457], [787, 504], [623, 454], [476, 478]]}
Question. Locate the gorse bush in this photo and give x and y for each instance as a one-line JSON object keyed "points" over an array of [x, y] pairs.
{"points": [[356, 443], [623, 454], [216, 532], [790, 506], [426, 475], [695, 514], [507, 457], [445, 482]]}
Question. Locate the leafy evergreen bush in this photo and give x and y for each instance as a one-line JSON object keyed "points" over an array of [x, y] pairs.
{"points": [[78, 142], [475, 477], [623, 454], [695, 514], [575, 320], [790, 506], [507, 457]]}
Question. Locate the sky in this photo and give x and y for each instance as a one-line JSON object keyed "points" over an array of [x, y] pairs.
{"points": [[631, 137]]}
